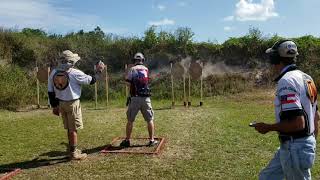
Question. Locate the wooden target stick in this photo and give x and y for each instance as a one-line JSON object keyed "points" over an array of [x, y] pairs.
{"points": [[195, 71], [201, 87], [172, 83], [38, 89], [184, 91], [189, 93], [49, 69], [96, 92], [107, 85]]}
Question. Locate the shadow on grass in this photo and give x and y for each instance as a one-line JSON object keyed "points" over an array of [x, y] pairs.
{"points": [[162, 108], [45, 159], [109, 147], [34, 163]]}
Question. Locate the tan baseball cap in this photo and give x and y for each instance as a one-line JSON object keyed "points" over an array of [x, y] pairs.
{"points": [[70, 56]]}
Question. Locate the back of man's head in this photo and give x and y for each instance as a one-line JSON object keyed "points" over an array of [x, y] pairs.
{"points": [[67, 59], [138, 58], [284, 51]]}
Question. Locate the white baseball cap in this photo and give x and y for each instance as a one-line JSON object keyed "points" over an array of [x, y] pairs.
{"points": [[285, 48], [138, 56]]}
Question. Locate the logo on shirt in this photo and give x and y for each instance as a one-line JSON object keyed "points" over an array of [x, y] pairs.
{"points": [[312, 92], [61, 80], [288, 99]]}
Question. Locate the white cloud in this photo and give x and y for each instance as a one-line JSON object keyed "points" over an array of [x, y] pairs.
{"points": [[228, 28], [44, 14], [246, 10], [182, 4], [161, 7], [162, 22], [228, 18]]}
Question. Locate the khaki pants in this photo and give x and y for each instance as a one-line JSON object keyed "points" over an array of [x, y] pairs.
{"points": [[71, 114]]}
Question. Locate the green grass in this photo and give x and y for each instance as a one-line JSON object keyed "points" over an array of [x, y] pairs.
{"points": [[211, 142]]}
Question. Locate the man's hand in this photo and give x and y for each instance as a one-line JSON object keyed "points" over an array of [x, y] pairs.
{"points": [[262, 128], [56, 111], [99, 67]]}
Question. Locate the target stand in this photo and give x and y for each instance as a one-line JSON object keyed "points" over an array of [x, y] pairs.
{"points": [[10, 174], [137, 146]]}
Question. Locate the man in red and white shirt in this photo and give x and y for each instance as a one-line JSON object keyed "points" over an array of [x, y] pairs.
{"points": [[138, 79], [296, 117]]}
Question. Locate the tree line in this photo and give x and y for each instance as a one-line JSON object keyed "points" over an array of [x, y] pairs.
{"points": [[22, 50]]}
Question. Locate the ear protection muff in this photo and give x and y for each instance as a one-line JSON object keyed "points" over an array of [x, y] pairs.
{"points": [[135, 60], [274, 55]]}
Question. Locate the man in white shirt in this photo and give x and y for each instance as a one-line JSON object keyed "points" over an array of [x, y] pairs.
{"points": [[296, 117], [138, 78], [64, 90]]}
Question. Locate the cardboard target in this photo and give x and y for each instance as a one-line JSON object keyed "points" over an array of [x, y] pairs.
{"points": [[42, 75], [195, 70], [100, 71], [177, 70]]}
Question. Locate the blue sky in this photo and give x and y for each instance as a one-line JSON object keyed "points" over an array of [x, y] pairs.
{"points": [[209, 19]]}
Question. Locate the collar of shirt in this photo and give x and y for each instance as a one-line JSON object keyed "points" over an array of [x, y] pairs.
{"points": [[286, 69], [138, 63]]}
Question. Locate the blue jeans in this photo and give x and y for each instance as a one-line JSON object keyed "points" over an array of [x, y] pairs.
{"points": [[292, 161]]}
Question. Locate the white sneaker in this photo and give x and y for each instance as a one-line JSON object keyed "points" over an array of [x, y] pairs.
{"points": [[78, 155]]}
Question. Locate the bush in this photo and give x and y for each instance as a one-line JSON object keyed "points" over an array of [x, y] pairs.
{"points": [[17, 89]]}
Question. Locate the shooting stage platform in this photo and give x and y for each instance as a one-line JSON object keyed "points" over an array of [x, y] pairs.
{"points": [[10, 174], [138, 146]]}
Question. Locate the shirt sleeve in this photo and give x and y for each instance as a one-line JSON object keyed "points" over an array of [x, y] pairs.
{"points": [[82, 78], [289, 96]]}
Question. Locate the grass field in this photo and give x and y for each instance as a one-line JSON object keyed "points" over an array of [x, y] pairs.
{"points": [[211, 142]]}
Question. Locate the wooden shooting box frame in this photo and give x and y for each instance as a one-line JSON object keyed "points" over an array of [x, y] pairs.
{"points": [[121, 150], [10, 174]]}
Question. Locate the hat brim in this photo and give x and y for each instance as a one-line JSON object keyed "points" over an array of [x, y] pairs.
{"points": [[269, 51]]}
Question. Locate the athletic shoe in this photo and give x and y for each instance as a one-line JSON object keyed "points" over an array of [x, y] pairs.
{"points": [[78, 155], [153, 143], [125, 143]]}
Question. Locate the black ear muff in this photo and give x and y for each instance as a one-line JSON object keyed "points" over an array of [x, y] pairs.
{"points": [[275, 56]]}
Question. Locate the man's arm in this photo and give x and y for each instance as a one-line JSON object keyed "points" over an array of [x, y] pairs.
{"points": [[291, 115], [54, 102], [294, 124]]}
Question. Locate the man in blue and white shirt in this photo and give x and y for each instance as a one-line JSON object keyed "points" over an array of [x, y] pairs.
{"points": [[64, 90], [296, 117]]}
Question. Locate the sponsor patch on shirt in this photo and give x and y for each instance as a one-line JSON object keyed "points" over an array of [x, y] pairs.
{"points": [[288, 99]]}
